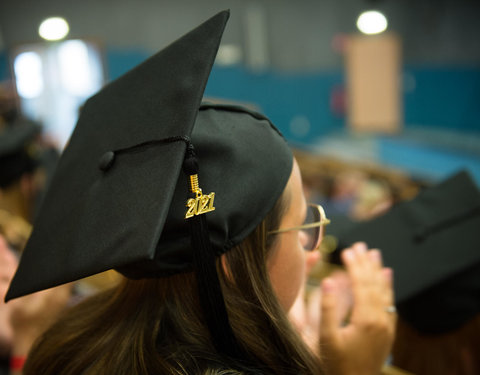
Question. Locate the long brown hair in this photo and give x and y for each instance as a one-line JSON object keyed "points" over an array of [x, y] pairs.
{"points": [[155, 326]]}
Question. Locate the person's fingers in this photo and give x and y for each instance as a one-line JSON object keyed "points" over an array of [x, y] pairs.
{"points": [[360, 250], [329, 319], [356, 260], [389, 301], [387, 274], [382, 284], [365, 341], [356, 263], [343, 294], [375, 256], [371, 289], [383, 279]]}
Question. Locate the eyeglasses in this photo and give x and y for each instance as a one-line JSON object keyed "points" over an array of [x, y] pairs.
{"points": [[312, 229]]}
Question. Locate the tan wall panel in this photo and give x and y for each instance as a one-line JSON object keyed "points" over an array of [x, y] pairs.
{"points": [[373, 65]]}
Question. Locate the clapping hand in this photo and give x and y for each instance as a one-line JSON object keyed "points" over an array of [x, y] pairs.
{"points": [[362, 345]]}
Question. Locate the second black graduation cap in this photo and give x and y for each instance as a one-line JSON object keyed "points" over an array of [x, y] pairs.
{"points": [[17, 154], [433, 245], [118, 196]]}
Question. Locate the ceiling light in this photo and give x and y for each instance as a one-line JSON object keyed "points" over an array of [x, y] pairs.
{"points": [[372, 22], [54, 28]]}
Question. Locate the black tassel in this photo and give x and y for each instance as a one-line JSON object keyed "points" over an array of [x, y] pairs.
{"points": [[209, 289], [211, 297]]}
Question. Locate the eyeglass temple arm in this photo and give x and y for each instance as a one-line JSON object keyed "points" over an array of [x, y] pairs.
{"points": [[306, 226]]}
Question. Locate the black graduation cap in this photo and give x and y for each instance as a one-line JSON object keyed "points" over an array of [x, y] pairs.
{"points": [[119, 197], [433, 245], [17, 154]]}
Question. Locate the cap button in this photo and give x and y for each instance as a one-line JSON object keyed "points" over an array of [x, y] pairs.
{"points": [[106, 160]]}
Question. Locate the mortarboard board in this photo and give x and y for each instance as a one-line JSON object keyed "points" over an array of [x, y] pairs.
{"points": [[433, 245], [16, 154], [118, 196]]}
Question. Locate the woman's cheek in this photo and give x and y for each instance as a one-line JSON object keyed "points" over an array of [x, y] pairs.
{"points": [[287, 272]]}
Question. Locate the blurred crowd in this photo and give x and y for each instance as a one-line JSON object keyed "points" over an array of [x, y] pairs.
{"points": [[27, 161]]}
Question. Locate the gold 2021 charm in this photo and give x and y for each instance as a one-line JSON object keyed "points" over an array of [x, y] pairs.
{"points": [[201, 203]]}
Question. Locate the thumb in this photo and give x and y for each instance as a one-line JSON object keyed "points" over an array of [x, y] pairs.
{"points": [[329, 318]]}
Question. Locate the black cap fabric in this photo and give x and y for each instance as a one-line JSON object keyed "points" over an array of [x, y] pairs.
{"points": [[246, 162], [118, 197], [17, 156], [433, 245]]}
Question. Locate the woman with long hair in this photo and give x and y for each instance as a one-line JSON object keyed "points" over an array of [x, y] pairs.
{"points": [[210, 274]]}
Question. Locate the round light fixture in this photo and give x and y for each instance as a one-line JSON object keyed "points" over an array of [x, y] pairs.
{"points": [[372, 22], [54, 28]]}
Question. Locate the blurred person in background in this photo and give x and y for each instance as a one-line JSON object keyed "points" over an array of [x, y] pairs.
{"points": [[372, 198], [28, 156], [26, 164], [344, 189], [22, 180], [22, 321]]}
